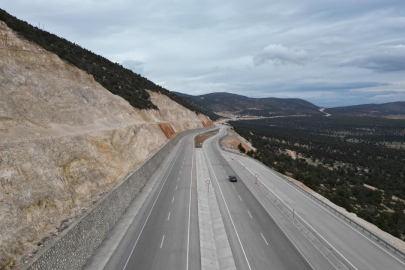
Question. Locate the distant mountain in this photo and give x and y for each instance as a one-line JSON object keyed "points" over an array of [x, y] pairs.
{"points": [[229, 105], [194, 101], [390, 110]]}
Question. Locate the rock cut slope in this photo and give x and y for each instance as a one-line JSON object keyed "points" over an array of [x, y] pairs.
{"points": [[64, 142]]}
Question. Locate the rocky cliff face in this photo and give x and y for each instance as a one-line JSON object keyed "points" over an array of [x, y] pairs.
{"points": [[64, 142]]}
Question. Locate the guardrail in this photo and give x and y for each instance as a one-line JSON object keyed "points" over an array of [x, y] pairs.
{"points": [[359, 227], [346, 218]]}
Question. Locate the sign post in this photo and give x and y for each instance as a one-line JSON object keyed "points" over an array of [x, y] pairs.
{"points": [[208, 183]]}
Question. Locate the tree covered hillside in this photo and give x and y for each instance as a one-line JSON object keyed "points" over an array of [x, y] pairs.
{"points": [[113, 76]]}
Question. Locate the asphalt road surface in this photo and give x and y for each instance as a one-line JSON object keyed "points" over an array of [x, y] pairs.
{"points": [[164, 233]]}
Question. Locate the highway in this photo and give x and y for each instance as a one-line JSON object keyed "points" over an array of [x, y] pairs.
{"points": [[164, 233], [358, 251]]}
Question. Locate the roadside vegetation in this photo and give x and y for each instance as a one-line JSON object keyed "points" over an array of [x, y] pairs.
{"points": [[356, 162]]}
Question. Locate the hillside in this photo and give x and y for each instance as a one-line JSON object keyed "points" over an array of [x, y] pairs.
{"points": [[196, 103], [112, 76], [386, 110], [231, 105], [65, 140]]}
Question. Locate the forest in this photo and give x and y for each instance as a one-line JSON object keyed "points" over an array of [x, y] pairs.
{"points": [[356, 162]]}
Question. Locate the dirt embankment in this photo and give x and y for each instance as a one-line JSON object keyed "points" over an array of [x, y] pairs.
{"points": [[167, 130], [64, 142], [232, 140], [202, 137]]}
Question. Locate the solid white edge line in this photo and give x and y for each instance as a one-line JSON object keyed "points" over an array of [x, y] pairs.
{"points": [[133, 248], [264, 239], [189, 206], [364, 236], [163, 239], [302, 220], [226, 205]]}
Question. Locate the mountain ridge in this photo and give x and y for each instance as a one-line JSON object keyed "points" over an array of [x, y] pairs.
{"points": [[225, 104], [232, 105]]}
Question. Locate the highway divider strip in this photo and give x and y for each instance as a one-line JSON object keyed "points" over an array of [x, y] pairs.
{"points": [[216, 252]]}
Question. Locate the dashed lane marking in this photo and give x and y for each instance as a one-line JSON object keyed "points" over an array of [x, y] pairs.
{"points": [[163, 239], [264, 239]]}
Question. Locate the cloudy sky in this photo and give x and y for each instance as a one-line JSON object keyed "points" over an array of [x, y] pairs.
{"points": [[329, 52]]}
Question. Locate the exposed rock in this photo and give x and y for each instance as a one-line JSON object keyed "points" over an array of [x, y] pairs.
{"points": [[167, 130], [64, 142]]}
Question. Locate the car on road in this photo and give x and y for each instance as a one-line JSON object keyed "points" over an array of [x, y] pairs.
{"points": [[233, 178]]}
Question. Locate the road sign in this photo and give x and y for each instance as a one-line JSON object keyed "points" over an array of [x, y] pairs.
{"points": [[208, 182]]}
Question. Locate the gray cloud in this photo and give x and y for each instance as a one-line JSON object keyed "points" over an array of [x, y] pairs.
{"points": [[280, 55], [390, 60], [135, 66], [328, 52]]}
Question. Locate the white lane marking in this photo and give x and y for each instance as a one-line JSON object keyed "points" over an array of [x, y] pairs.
{"points": [[189, 206], [180, 172], [281, 180], [240, 198], [163, 239], [249, 214], [168, 217], [173, 200], [229, 213], [176, 188], [233, 186], [303, 221], [178, 179], [133, 248], [264, 239], [224, 171]]}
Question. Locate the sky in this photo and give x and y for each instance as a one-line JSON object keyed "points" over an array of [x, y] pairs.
{"points": [[331, 53]]}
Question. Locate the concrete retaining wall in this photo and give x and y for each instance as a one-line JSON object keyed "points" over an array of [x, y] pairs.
{"points": [[71, 249]]}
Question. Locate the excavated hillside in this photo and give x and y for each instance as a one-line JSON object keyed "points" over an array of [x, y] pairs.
{"points": [[64, 142]]}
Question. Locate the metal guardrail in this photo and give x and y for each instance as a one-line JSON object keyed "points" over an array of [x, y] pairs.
{"points": [[366, 231]]}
